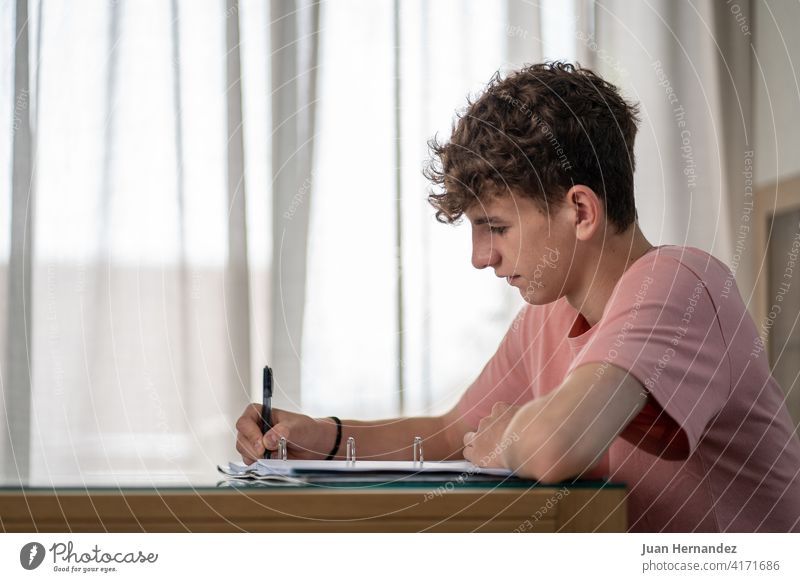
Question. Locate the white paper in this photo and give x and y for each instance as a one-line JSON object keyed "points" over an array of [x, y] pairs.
{"points": [[297, 468]]}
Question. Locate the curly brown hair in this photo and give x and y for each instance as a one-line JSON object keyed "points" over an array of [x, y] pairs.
{"points": [[538, 132]]}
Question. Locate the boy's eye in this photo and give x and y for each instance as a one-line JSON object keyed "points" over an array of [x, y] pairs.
{"points": [[498, 229]]}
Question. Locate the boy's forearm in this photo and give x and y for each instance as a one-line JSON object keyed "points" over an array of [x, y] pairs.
{"points": [[566, 432], [393, 439]]}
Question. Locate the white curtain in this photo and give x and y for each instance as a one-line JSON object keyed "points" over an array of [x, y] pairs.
{"points": [[138, 265], [294, 28], [15, 338], [356, 346]]}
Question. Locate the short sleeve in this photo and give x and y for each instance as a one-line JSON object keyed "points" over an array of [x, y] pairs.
{"points": [[503, 378], [661, 325]]}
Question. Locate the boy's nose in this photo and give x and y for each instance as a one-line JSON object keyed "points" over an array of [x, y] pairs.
{"points": [[484, 255]]}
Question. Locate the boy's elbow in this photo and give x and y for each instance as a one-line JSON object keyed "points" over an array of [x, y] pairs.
{"points": [[545, 458]]}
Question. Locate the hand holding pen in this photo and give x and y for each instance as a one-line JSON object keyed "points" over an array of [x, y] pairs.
{"points": [[308, 438], [260, 428]]}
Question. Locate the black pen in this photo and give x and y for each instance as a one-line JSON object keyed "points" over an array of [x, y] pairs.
{"points": [[266, 408]]}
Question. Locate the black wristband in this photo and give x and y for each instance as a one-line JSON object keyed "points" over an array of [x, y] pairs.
{"points": [[338, 442]]}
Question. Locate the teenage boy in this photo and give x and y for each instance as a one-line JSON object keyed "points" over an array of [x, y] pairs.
{"points": [[634, 362]]}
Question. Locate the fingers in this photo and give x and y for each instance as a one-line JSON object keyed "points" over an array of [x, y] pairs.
{"points": [[273, 436], [468, 438], [248, 434], [249, 450], [500, 408], [497, 410], [248, 424], [469, 450], [252, 444]]}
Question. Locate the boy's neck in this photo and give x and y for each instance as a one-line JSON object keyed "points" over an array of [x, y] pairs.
{"points": [[610, 260]]}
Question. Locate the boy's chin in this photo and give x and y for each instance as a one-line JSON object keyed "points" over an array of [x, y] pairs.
{"points": [[537, 298]]}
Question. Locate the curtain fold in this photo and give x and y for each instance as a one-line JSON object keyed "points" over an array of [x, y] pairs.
{"points": [[237, 275], [584, 31], [17, 374], [294, 30], [523, 34], [734, 88]]}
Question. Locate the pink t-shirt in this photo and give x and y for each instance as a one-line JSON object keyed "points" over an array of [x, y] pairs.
{"points": [[677, 322]]}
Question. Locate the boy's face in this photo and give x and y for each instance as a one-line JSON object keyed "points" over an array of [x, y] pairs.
{"points": [[532, 250]]}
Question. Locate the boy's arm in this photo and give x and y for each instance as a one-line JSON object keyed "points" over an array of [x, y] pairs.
{"points": [[393, 439], [565, 433], [313, 438]]}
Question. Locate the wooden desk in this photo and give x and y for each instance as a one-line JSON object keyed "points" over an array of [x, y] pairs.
{"points": [[312, 509]]}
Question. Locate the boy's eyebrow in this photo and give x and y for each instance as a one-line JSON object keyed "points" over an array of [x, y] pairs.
{"points": [[485, 219]]}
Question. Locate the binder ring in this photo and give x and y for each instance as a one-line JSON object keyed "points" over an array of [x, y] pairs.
{"points": [[351, 449], [282, 449]]}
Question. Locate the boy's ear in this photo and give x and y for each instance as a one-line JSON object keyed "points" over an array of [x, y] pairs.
{"points": [[586, 209]]}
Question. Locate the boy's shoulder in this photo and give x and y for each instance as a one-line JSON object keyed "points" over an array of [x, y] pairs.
{"points": [[681, 262]]}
